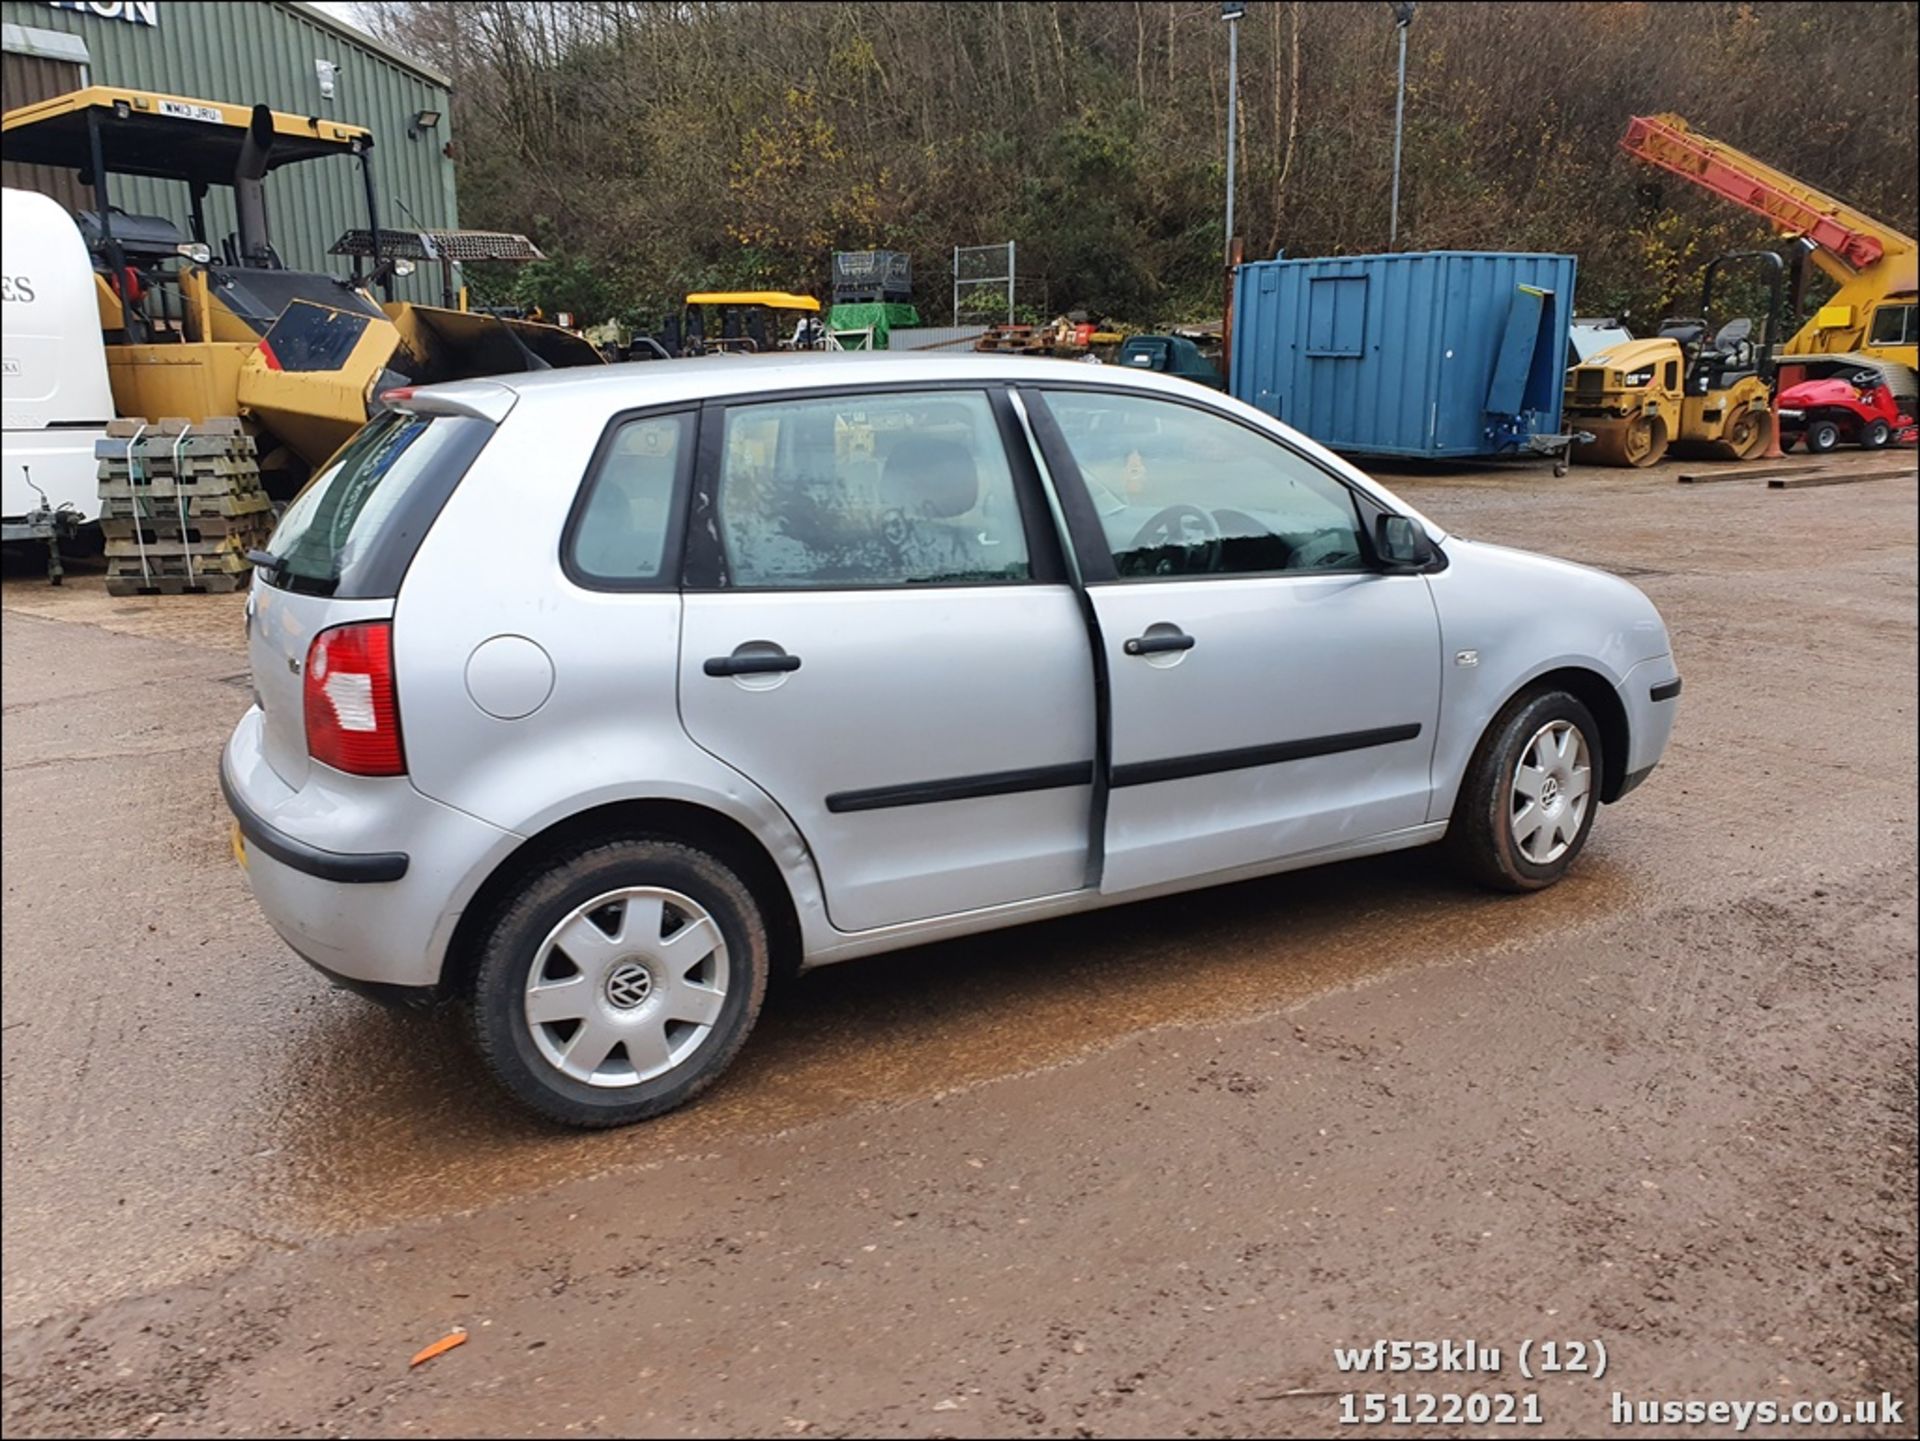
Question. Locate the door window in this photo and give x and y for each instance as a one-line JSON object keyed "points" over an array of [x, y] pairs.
{"points": [[888, 489], [1181, 491], [620, 537]]}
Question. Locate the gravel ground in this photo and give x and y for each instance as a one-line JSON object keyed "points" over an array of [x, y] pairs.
{"points": [[1135, 1173]]}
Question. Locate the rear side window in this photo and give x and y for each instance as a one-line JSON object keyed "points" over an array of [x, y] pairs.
{"points": [[353, 530], [619, 535], [882, 489]]}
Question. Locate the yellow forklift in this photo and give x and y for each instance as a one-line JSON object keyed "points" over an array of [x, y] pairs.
{"points": [[201, 327], [1694, 389]]}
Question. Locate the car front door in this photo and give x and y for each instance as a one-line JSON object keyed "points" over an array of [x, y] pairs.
{"points": [[1273, 692], [877, 631]]}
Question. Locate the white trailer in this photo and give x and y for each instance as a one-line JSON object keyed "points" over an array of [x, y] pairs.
{"points": [[57, 401]]}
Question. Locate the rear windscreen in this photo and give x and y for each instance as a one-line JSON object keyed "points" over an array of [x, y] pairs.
{"points": [[353, 529]]}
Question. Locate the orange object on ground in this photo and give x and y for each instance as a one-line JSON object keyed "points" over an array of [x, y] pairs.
{"points": [[439, 1348]]}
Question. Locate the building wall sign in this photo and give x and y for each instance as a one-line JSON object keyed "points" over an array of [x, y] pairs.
{"points": [[133, 12]]}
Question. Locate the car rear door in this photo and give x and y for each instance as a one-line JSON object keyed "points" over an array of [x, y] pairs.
{"points": [[877, 632], [1273, 693]]}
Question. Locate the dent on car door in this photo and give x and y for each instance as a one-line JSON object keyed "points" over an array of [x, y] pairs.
{"points": [[1273, 692], [877, 633]]}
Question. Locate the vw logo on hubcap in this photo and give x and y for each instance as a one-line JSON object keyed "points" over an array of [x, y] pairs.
{"points": [[628, 984], [1550, 791]]}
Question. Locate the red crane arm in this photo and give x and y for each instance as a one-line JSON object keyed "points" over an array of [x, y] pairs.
{"points": [[1796, 209]]}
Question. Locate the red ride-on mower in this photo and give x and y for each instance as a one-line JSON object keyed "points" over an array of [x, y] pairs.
{"points": [[1858, 407]]}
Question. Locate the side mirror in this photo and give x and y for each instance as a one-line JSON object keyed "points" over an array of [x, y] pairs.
{"points": [[1400, 543]]}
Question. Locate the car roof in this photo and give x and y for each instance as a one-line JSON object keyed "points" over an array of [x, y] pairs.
{"points": [[664, 382], [597, 392]]}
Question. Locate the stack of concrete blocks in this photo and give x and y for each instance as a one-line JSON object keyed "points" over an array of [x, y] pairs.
{"points": [[181, 504]]}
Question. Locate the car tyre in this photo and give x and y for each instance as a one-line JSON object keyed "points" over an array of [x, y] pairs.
{"points": [[1822, 436], [691, 887], [1877, 435], [1487, 839]]}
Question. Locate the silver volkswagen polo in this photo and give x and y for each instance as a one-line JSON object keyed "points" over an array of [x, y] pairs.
{"points": [[589, 700]]}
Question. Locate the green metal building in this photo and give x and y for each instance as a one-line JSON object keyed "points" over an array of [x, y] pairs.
{"points": [[290, 56]]}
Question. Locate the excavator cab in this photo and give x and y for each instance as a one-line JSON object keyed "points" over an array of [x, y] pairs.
{"points": [[202, 317]]}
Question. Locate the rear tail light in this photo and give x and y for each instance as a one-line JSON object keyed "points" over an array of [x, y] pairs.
{"points": [[353, 718]]}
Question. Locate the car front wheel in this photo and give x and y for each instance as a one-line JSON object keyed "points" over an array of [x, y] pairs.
{"points": [[620, 982], [1530, 794]]}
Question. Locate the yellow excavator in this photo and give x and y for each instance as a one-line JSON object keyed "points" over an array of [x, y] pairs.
{"points": [[1703, 386], [1872, 265], [203, 327]]}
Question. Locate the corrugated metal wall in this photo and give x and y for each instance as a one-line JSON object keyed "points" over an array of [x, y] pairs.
{"points": [[25, 79], [265, 52]]}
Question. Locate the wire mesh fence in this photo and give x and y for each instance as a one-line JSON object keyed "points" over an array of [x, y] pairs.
{"points": [[983, 280]]}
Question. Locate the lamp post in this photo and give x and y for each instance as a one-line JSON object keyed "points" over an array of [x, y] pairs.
{"points": [[1231, 11], [1403, 21]]}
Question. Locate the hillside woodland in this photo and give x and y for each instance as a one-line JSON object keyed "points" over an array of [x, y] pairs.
{"points": [[652, 148]]}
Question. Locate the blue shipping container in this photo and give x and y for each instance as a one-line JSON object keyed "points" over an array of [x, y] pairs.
{"points": [[1448, 353]]}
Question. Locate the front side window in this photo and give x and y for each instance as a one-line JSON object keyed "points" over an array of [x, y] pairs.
{"points": [[1181, 491], [621, 535], [1892, 325], [903, 489]]}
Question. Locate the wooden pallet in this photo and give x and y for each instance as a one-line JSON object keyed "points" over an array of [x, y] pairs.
{"points": [[204, 583], [165, 550], [196, 507]]}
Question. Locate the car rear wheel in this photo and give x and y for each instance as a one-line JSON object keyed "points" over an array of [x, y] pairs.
{"points": [[620, 982], [1822, 436], [1528, 800], [1876, 435]]}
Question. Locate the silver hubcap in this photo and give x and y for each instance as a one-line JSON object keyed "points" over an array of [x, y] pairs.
{"points": [[1552, 787], [627, 986]]}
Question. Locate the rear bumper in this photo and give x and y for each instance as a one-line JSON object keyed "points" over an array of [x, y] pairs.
{"points": [[362, 868], [362, 877]]}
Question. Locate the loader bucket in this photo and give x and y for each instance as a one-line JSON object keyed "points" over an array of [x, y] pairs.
{"points": [[438, 344], [307, 382]]}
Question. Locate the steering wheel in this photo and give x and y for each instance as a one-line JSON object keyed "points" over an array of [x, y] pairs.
{"points": [[1173, 527]]}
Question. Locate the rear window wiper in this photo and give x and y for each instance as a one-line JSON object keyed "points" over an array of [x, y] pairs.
{"points": [[266, 560]]}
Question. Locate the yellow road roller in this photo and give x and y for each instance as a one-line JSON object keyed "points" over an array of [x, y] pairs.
{"points": [[1698, 391]]}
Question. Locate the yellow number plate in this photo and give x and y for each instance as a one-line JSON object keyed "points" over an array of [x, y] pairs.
{"points": [[239, 846]]}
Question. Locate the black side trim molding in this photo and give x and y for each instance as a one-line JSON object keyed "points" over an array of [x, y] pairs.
{"points": [[1175, 768], [310, 860], [963, 788], [1666, 691]]}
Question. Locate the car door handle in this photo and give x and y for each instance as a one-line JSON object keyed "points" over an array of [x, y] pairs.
{"points": [[1153, 644], [752, 663]]}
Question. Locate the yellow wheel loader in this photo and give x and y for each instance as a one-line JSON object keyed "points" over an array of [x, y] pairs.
{"points": [[202, 327], [1691, 389]]}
